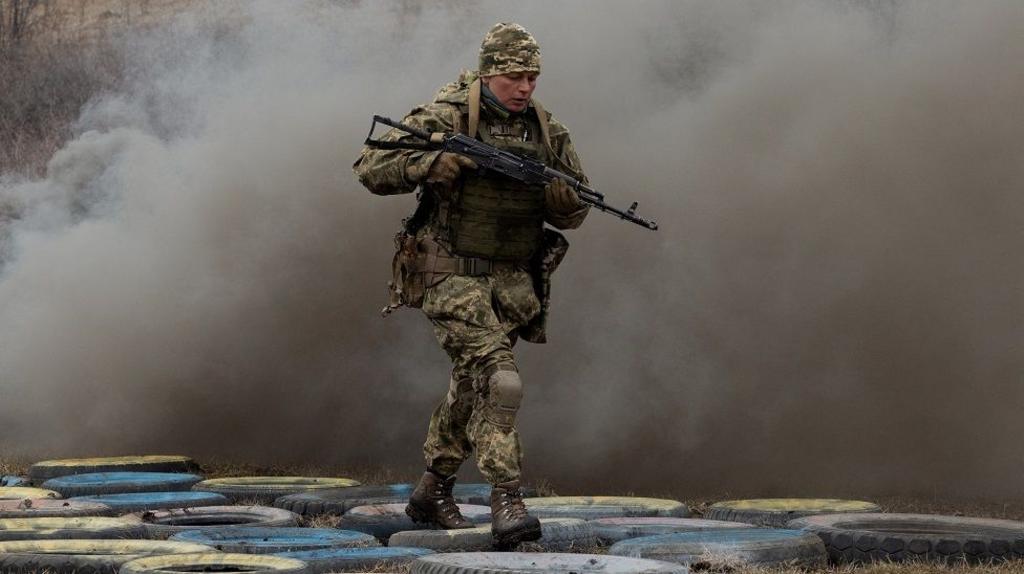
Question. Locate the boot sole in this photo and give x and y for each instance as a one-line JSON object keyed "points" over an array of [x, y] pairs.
{"points": [[510, 540]]}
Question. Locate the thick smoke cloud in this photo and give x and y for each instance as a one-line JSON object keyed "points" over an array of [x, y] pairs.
{"points": [[833, 304]]}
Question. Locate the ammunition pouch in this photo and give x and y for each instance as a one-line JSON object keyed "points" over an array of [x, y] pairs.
{"points": [[421, 262]]}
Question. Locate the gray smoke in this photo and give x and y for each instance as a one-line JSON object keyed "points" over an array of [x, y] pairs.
{"points": [[833, 304]]}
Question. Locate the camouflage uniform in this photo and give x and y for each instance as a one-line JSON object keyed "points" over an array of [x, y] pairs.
{"points": [[478, 317]]}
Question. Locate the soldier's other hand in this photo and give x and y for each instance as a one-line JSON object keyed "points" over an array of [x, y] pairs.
{"points": [[561, 198], [447, 167]]}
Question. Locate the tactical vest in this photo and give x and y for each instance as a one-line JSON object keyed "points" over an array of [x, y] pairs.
{"points": [[497, 217]]}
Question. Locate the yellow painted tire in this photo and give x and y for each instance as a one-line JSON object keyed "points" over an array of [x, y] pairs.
{"points": [[267, 489], [95, 556], [593, 507], [23, 492], [48, 469], [215, 561], [52, 508], [776, 512], [85, 528]]}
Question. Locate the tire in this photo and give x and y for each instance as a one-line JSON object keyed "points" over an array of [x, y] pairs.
{"points": [[557, 535], [860, 538], [23, 492], [777, 512], [261, 540], [593, 507], [83, 556], [143, 501], [267, 489], [611, 530], [51, 508], [48, 469], [86, 528], [383, 520], [729, 549], [348, 559], [120, 483], [11, 480], [162, 524], [340, 501], [214, 562], [530, 562]]}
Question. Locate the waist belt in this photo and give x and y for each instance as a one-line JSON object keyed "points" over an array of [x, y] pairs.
{"points": [[432, 258]]}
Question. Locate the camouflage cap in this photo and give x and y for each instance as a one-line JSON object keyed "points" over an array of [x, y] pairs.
{"points": [[508, 48]]}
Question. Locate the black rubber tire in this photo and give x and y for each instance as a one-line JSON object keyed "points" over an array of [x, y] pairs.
{"points": [[47, 469], [83, 556], [557, 535], [383, 520], [85, 528], [341, 500], [348, 559], [52, 508], [777, 512], [593, 507], [161, 524], [729, 549], [861, 538], [213, 562], [262, 540], [535, 562], [144, 501], [120, 483], [612, 530], [267, 489]]}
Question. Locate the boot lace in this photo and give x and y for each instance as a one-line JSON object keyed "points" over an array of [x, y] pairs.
{"points": [[512, 505]]}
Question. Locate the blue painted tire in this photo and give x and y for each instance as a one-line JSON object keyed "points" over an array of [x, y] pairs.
{"points": [[612, 530], [262, 540], [121, 482], [383, 520], [729, 548], [141, 501], [161, 524], [341, 500], [349, 559]]}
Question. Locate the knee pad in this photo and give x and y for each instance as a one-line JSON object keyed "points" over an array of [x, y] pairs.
{"points": [[504, 394]]}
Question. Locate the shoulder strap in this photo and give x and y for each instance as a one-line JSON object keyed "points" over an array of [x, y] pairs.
{"points": [[545, 134], [474, 108]]}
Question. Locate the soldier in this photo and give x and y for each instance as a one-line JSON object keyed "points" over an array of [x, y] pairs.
{"points": [[476, 257]]}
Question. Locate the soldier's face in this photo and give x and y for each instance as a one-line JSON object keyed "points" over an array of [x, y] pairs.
{"points": [[514, 89]]}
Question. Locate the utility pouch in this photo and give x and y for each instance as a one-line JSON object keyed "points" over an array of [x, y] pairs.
{"points": [[554, 246], [406, 287]]}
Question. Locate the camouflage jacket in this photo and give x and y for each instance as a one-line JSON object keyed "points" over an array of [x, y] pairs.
{"points": [[390, 172]]}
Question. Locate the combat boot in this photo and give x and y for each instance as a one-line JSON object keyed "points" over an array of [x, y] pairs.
{"points": [[432, 502], [510, 523]]}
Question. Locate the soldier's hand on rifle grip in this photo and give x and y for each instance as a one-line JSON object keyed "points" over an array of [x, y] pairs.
{"points": [[446, 169], [560, 198]]}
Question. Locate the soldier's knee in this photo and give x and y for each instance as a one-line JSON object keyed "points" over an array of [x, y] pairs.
{"points": [[504, 395]]}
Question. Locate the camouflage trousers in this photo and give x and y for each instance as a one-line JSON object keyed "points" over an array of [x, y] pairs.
{"points": [[474, 319]]}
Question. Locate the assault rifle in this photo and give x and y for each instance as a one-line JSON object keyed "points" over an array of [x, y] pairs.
{"points": [[490, 158]]}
